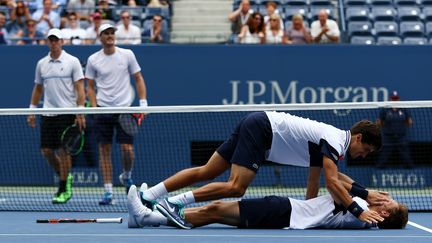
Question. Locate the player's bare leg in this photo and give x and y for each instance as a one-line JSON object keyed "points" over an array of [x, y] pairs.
{"points": [[214, 167], [216, 212]]}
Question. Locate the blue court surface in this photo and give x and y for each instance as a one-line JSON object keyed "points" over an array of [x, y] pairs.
{"points": [[22, 227]]}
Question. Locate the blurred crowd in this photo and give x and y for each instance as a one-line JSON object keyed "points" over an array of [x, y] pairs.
{"points": [[137, 21], [253, 27]]}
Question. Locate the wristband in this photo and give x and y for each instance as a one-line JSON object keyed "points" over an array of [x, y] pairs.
{"points": [[359, 191], [355, 209], [143, 103], [32, 106]]}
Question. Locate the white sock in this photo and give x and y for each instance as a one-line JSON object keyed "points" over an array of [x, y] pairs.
{"points": [[108, 187], [183, 199], [155, 192]]}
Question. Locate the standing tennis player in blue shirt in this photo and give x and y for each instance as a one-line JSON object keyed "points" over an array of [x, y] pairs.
{"points": [[281, 138]]}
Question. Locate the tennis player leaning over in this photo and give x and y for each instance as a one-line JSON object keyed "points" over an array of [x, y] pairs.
{"points": [[281, 138]]}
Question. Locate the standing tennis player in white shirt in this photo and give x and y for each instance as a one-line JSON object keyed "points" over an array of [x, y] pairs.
{"points": [[281, 138], [108, 74], [59, 77]]}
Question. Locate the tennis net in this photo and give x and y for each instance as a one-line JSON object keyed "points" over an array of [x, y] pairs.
{"points": [[172, 138]]}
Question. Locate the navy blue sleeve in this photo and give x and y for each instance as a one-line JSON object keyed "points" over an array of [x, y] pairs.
{"points": [[327, 150]]}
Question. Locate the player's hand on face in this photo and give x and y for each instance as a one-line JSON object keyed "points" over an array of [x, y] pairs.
{"points": [[370, 217], [378, 198], [31, 121]]}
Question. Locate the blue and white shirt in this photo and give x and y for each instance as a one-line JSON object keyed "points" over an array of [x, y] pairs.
{"points": [[58, 78], [303, 142], [321, 212]]}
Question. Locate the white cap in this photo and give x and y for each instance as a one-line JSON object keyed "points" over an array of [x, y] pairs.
{"points": [[55, 32], [104, 27]]}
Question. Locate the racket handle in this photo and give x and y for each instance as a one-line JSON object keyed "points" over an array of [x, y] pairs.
{"points": [[109, 220]]}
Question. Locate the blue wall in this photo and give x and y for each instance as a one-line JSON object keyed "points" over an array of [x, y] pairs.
{"points": [[202, 74]]}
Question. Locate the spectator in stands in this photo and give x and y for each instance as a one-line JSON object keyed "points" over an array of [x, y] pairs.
{"points": [[240, 16], [18, 15], [74, 34], [157, 4], [60, 79], [127, 33], [91, 32], [274, 34], [253, 32], [325, 30], [4, 36], [108, 73], [156, 34], [83, 8], [30, 35], [271, 8], [105, 9], [46, 18], [56, 6], [298, 33], [395, 123]]}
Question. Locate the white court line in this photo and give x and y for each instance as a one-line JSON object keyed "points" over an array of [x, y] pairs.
{"points": [[222, 236], [420, 226]]}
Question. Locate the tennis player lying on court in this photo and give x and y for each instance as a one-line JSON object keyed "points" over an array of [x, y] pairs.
{"points": [[272, 212]]}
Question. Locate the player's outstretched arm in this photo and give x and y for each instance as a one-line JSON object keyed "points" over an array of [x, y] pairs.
{"points": [[313, 182]]}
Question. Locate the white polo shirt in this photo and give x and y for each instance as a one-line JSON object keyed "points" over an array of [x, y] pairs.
{"points": [[302, 142], [112, 76], [333, 30], [58, 78], [320, 212]]}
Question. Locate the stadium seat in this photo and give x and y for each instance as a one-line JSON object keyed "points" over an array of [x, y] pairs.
{"points": [[357, 13], [150, 12], [135, 12], [381, 2], [84, 24], [352, 3], [386, 28], [362, 40], [428, 30], [412, 28], [362, 28], [415, 41], [425, 3], [278, 2], [314, 11], [320, 3], [405, 2], [408, 13], [289, 3], [389, 40], [430, 41], [289, 12], [383, 13], [427, 13]]}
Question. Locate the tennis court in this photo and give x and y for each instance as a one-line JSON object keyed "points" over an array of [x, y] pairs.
{"points": [[22, 227]]}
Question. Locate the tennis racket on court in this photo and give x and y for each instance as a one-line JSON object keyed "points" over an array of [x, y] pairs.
{"points": [[60, 221], [72, 139], [130, 123]]}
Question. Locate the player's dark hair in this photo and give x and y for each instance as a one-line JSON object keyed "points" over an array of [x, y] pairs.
{"points": [[397, 219], [371, 133]]}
